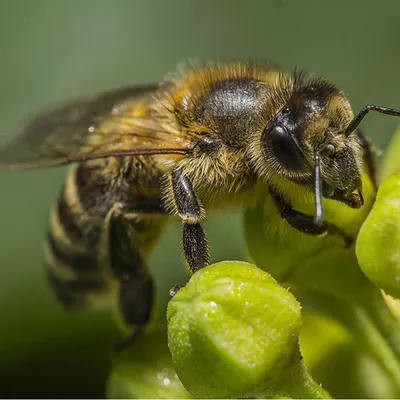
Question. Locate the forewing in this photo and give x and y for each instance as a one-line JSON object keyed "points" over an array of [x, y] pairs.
{"points": [[87, 128]]}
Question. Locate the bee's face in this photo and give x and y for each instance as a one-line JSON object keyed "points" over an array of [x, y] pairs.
{"points": [[313, 121]]}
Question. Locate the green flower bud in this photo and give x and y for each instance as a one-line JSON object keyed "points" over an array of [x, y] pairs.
{"points": [[391, 161], [231, 329], [378, 243], [145, 371]]}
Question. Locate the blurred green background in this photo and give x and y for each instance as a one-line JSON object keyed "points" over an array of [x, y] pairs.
{"points": [[52, 50]]}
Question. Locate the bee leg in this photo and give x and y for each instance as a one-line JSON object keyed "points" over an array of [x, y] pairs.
{"points": [[175, 289], [305, 223], [136, 289], [188, 207], [135, 305], [124, 344], [195, 246], [370, 153]]}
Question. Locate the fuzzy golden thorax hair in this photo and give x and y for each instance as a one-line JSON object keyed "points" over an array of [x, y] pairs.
{"points": [[272, 123]]}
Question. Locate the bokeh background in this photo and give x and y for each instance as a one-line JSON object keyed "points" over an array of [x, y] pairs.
{"points": [[52, 50]]}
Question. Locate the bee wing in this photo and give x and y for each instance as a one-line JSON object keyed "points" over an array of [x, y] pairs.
{"points": [[89, 128]]}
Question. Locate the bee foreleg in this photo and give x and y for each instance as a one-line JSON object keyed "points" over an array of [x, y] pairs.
{"points": [[305, 223], [188, 207], [370, 154]]}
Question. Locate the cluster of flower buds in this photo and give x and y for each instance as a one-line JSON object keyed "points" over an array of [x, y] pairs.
{"points": [[236, 331]]}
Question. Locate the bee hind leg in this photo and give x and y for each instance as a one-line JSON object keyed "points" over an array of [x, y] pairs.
{"points": [[135, 300], [124, 344], [135, 284]]}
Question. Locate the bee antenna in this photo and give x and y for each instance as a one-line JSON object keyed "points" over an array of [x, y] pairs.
{"points": [[319, 212], [370, 107]]}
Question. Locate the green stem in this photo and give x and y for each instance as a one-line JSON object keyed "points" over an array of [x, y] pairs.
{"points": [[378, 340], [373, 340], [297, 383], [385, 321]]}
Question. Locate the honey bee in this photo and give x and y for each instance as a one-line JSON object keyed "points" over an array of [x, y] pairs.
{"points": [[203, 140]]}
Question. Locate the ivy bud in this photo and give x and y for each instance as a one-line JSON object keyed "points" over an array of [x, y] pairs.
{"points": [[231, 329], [391, 162], [378, 243], [145, 371]]}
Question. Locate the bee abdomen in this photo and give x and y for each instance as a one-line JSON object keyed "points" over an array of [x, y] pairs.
{"points": [[71, 256], [75, 293], [78, 262], [98, 242], [72, 269]]}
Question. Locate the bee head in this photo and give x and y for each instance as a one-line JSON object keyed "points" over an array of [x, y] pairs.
{"points": [[305, 142]]}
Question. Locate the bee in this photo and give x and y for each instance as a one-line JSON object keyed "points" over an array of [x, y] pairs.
{"points": [[144, 155]]}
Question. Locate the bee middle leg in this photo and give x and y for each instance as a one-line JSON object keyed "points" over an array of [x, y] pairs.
{"points": [[188, 207], [305, 223]]}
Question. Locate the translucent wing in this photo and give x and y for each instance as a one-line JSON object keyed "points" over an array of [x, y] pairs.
{"points": [[109, 124]]}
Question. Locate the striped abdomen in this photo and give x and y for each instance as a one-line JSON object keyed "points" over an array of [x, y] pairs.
{"points": [[100, 233]]}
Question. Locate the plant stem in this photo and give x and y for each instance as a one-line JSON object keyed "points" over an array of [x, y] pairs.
{"points": [[385, 321], [380, 341], [297, 383]]}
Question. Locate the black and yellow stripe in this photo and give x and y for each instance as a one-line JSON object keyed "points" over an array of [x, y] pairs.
{"points": [[95, 252], [72, 264]]}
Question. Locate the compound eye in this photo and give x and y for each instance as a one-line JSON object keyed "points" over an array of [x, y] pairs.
{"points": [[276, 141]]}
